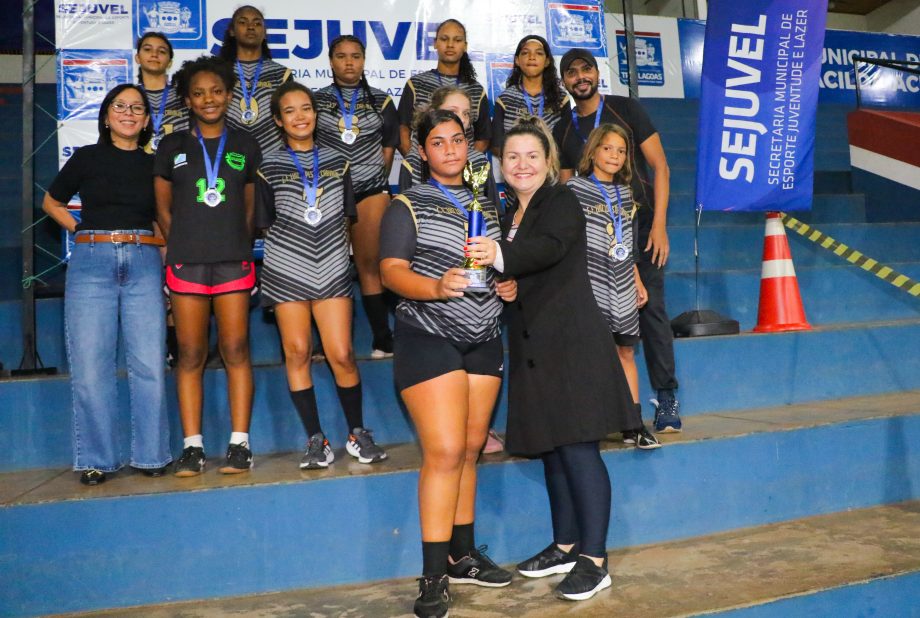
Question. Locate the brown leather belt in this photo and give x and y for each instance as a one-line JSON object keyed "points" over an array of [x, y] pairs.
{"points": [[142, 239]]}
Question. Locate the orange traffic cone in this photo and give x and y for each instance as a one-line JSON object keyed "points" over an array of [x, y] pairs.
{"points": [[780, 301]]}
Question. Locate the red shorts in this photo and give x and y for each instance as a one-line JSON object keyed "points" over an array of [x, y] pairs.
{"points": [[211, 279]]}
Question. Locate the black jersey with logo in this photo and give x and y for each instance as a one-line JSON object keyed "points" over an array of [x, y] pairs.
{"points": [[200, 234]]}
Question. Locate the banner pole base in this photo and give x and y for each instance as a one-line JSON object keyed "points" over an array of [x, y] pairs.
{"points": [[703, 323]]}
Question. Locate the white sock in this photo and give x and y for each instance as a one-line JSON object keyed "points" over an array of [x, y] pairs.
{"points": [[238, 437], [195, 440]]}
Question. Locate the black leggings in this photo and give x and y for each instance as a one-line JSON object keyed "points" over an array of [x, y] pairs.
{"points": [[579, 496]]}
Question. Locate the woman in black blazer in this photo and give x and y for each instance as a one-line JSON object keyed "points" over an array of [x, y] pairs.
{"points": [[566, 388]]}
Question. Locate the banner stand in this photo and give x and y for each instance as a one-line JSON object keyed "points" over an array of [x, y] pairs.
{"points": [[701, 322]]}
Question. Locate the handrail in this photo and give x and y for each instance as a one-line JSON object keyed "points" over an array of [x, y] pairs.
{"points": [[898, 65]]}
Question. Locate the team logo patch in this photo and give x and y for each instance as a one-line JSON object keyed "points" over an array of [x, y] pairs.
{"points": [[576, 25], [235, 160], [648, 58], [184, 21], [84, 78], [179, 160]]}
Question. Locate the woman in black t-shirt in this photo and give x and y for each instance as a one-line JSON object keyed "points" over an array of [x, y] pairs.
{"points": [[205, 192], [114, 279], [448, 354]]}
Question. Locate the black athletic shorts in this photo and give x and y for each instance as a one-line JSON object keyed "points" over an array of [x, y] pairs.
{"points": [[211, 279], [626, 341], [419, 356], [360, 197]]}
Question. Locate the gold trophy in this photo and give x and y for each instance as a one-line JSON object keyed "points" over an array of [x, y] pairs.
{"points": [[475, 226]]}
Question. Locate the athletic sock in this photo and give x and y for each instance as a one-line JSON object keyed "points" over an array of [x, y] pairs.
{"points": [[196, 440], [462, 541], [239, 437], [434, 558], [376, 309], [305, 404], [351, 399], [665, 394]]}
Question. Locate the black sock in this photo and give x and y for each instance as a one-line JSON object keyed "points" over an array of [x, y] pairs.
{"points": [[462, 541], [434, 558], [376, 309], [665, 394], [305, 404], [350, 398]]}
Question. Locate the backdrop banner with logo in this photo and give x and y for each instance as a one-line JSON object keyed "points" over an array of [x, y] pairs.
{"points": [[96, 40], [759, 99]]}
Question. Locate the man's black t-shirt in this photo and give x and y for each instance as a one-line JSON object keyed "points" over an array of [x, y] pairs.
{"points": [[115, 186], [200, 234], [630, 115]]}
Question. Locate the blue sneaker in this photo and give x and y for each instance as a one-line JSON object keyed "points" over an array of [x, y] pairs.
{"points": [[667, 415]]}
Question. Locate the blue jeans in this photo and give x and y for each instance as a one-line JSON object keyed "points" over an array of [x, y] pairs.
{"points": [[110, 286]]}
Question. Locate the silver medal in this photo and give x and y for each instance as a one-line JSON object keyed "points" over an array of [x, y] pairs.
{"points": [[619, 252], [248, 116], [349, 136], [212, 197], [313, 215]]}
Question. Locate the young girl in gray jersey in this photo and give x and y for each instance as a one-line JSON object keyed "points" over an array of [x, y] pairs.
{"points": [[602, 189], [360, 122], [305, 195], [154, 56], [448, 355], [244, 46]]}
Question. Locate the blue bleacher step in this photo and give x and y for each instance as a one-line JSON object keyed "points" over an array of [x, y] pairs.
{"points": [[857, 563], [826, 208], [277, 528], [715, 373], [837, 294]]}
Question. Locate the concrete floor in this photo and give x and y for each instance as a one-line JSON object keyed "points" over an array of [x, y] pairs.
{"points": [[683, 578]]}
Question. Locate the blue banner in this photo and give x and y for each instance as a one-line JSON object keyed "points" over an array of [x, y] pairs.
{"points": [[759, 98]]}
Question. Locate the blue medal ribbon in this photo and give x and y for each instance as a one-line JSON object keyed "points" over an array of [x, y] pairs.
{"points": [[212, 167], [475, 219], [248, 93], [346, 116], [616, 216], [309, 189], [597, 119], [529, 104], [157, 118], [449, 195]]}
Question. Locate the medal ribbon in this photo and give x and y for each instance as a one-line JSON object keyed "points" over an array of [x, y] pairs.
{"points": [[158, 116], [309, 190], [616, 216], [529, 104], [449, 195], [347, 117], [212, 167], [248, 93], [597, 118]]}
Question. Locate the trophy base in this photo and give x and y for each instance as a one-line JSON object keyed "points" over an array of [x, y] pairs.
{"points": [[477, 278]]}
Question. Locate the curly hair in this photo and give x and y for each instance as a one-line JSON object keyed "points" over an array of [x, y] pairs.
{"points": [[210, 64]]}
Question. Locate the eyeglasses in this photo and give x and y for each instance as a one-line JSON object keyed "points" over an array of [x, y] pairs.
{"points": [[137, 109]]}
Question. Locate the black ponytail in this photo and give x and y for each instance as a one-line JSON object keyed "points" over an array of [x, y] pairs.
{"points": [[467, 73], [552, 91]]}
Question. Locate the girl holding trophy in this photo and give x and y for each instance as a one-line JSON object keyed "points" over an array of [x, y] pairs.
{"points": [[448, 351]]}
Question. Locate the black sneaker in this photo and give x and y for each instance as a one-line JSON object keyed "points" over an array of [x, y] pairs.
{"points": [[550, 561], [318, 454], [477, 568], [239, 459], [362, 447], [191, 462], [433, 597], [642, 438], [92, 477], [584, 581]]}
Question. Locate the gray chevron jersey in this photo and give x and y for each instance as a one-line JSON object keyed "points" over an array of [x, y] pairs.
{"points": [[613, 282], [417, 92], [263, 129], [440, 229], [175, 116], [305, 262], [510, 105], [376, 130]]}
